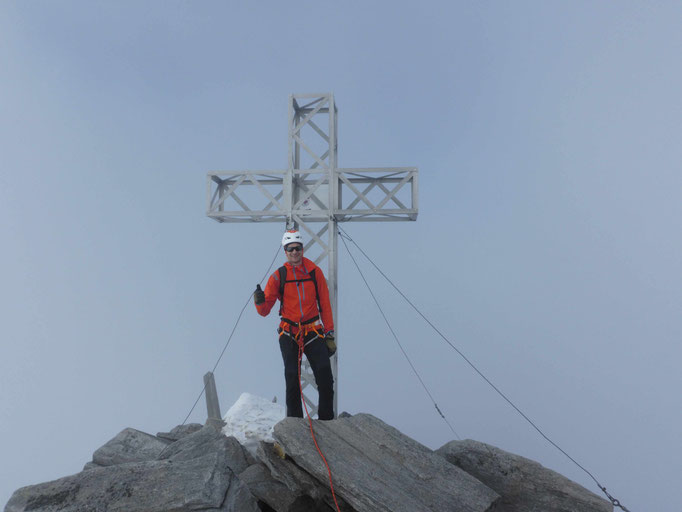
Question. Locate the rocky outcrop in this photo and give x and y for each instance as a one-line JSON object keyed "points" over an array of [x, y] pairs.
{"points": [[194, 473], [302, 485], [523, 484], [277, 495], [179, 432], [204, 442], [374, 468], [377, 468], [204, 483], [129, 445]]}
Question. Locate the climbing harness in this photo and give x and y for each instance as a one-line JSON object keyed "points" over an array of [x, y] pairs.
{"points": [[344, 236], [299, 339], [303, 329]]}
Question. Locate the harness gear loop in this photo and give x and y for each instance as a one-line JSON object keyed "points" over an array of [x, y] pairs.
{"points": [[302, 329], [299, 341]]}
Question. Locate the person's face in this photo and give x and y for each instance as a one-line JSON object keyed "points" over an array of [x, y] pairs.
{"points": [[294, 253]]}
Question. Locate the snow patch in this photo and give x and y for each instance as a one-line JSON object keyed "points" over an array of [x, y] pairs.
{"points": [[252, 419]]}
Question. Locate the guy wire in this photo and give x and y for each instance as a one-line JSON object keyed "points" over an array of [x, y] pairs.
{"points": [[203, 390], [398, 342], [345, 236]]}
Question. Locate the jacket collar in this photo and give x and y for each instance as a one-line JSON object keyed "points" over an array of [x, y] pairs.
{"points": [[305, 265]]}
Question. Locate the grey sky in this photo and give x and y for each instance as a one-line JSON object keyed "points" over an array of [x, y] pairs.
{"points": [[547, 248]]}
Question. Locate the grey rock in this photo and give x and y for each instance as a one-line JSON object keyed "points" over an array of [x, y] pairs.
{"points": [[250, 459], [216, 423], [275, 494], [129, 445], [205, 441], [374, 468], [154, 486], [91, 465], [237, 499], [179, 432], [523, 484], [377, 468], [238, 456], [300, 483]]}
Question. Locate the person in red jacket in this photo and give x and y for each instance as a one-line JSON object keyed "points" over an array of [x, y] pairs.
{"points": [[306, 320]]}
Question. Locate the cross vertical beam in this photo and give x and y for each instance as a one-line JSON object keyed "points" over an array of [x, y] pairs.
{"points": [[313, 195], [312, 167]]}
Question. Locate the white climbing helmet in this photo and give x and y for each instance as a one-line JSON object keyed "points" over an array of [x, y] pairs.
{"points": [[292, 236]]}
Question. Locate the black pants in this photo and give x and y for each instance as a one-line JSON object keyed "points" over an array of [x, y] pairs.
{"points": [[318, 356]]}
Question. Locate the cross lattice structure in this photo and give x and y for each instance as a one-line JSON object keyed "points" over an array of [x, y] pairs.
{"points": [[312, 194]]}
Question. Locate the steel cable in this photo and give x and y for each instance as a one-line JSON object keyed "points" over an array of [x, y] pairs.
{"points": [[344, 235], [398, 341], [203, 390]]}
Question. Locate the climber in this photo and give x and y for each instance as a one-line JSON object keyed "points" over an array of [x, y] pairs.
{"points": [[306, 319]]}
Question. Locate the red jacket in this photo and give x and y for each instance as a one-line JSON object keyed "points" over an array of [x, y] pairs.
{"points": [[300, 299]]}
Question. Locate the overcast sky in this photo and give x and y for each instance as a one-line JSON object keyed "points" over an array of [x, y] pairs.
{"points": [[547, 248]]}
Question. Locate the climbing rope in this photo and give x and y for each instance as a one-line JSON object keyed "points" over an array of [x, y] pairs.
{"points": [[203, 390], [398, 341], [344, 236], [299, 341]]}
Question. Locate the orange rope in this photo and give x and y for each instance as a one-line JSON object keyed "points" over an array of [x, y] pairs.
{"points": [[299, 342]]}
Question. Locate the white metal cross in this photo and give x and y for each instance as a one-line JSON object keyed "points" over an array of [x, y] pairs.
{"points": [[314, 190]]}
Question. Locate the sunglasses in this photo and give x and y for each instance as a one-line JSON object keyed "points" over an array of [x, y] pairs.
{"points": [[292, 249]]}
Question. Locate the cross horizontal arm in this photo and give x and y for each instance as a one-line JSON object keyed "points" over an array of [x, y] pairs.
{"points": [[364, 194], [378, 201]]}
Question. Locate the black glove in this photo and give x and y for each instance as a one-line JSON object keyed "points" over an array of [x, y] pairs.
{"points": [[258, 295], [330, 342]]}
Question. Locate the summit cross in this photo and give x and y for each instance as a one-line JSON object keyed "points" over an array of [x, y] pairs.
{"points": [[313, 195]]}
